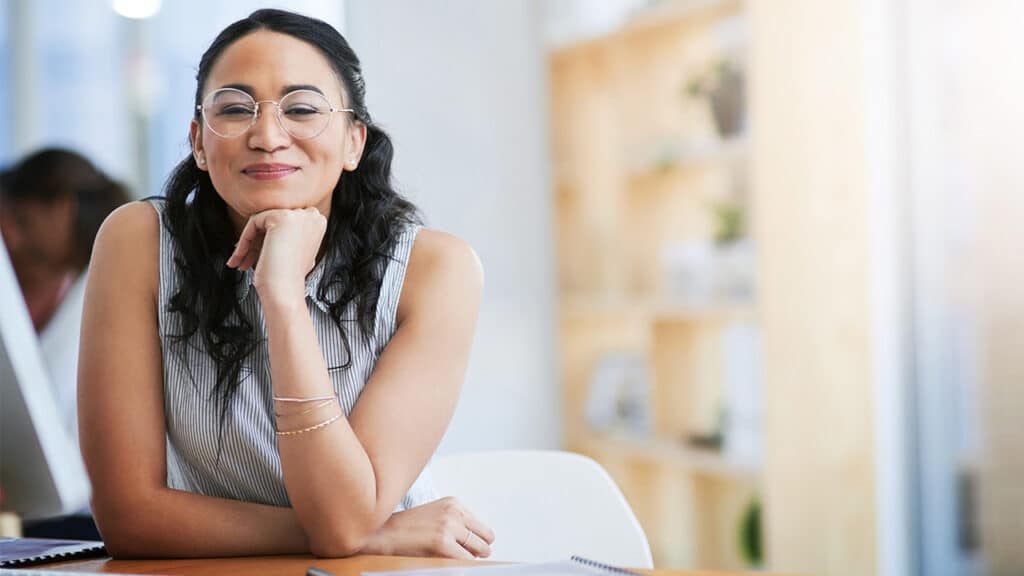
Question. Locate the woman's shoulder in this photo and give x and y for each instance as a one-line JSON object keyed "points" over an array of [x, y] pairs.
{"points": [[128, 244], [440, 263], [435, 251], [135, 223]]}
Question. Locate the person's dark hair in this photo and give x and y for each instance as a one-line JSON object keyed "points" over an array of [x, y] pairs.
{"points": [[55, 174], [367, 214]]}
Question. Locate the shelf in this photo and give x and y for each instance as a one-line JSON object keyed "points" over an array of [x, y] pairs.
{"points": [[658, 311], [691, 155], [704, 462], [671, 11], [662, 13], [640, 173]]}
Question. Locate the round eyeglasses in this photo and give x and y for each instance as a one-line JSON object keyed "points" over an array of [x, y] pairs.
{"points": [[229, 112]]}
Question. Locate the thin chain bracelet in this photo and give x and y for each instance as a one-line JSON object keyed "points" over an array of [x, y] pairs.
{"points": [[311, 428], [320, 405], [313, 399]]}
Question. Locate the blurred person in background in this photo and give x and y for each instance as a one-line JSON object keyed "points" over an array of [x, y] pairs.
{"points": [[52, 203]]}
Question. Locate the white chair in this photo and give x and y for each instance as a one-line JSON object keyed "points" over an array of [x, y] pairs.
{"points": [[545, 506]]}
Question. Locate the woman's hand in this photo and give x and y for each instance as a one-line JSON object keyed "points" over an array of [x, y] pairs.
{"points": [[442, 528], [282, 245]]}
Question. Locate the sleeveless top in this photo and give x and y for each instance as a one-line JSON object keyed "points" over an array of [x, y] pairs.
{"points": [[240, 460]]}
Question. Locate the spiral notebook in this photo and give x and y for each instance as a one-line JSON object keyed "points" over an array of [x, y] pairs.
{"points": [[577, 566], [16, 552]]}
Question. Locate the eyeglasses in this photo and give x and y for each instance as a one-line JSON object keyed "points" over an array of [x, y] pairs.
{"points": [[229, 112]]}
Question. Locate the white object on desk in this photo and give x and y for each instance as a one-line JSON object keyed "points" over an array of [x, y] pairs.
{"points": [[545, 506], [563, 568]]}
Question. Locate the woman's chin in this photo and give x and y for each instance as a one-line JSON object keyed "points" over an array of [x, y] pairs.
{"points": [[255, 199], [263, 200]]}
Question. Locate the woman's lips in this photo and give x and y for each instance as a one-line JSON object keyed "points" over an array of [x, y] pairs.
{"points": [[269, 171]]}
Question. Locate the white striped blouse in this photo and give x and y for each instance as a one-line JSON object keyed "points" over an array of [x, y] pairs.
{"points": [[247, 466]]}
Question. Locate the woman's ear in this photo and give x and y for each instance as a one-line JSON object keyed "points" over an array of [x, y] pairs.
{"points": [[195, 134], [356, 144]]}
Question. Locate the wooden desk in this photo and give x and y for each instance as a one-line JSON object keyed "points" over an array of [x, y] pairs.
{"points": [[280, 565]]}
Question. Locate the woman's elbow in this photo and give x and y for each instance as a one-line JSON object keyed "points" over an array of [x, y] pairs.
{"points": [[339, 539], [123, 532], [337, 545], [121, 542], [120, 548]]}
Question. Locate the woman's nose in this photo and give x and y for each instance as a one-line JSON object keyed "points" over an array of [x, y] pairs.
{"points": [[266, 132]]}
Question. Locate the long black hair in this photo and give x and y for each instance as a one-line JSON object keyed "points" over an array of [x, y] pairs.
{"points": [[367, 214]]}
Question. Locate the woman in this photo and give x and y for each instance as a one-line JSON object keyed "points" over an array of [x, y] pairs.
{"points": [[51, 205], [271, 356]]}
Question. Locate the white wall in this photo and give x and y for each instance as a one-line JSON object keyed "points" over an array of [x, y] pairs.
{"points": [[461, 88], [991, 122], [940, 212]]}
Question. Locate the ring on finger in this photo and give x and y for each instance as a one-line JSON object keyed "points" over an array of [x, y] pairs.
{"points": [[469, 534]]}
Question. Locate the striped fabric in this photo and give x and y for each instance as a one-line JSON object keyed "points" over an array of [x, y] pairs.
{"points": [[247, 466]]}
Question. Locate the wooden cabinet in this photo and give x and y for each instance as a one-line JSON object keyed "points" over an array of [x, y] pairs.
{"points": [[657, 313]]}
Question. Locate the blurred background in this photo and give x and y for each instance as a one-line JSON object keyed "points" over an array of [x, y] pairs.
{"points": [[759, 258]]}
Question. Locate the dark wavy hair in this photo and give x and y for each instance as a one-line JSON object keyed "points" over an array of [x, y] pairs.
{"points": [[367, 214]]}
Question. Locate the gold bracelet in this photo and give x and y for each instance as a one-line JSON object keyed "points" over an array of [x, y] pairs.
{"points": [[311, 428], [321, 404]]}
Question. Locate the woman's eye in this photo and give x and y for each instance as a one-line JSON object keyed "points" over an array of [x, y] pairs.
{"points": [[301, 111], [235, 110]]}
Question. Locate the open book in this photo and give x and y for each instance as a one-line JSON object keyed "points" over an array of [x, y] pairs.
{"points": [[577, 566]]}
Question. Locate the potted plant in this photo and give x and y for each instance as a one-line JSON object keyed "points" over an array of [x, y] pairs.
{"points": [[733, 253], [723, 88]]}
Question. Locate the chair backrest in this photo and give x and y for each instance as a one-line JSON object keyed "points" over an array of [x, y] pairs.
{"points": [[545, 506]]}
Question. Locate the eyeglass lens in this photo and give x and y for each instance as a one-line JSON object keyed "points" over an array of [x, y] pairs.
{"points": [[230, 112]]}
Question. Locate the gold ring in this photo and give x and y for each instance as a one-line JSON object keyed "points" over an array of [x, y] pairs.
{"points": [[469, 534]]}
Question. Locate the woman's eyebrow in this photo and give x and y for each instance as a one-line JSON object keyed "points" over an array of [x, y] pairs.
{"points": [[290, 88], [295, 87], [243, 87]]}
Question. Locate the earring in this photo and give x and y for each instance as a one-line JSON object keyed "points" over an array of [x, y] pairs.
{"points": [[201, 160], [352, 162]]}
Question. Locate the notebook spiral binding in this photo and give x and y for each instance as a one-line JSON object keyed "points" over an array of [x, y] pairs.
{"points": [[21, 552], [604, 567]]}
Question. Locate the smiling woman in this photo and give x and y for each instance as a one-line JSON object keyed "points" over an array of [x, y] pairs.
{"points": [[272, 353]]}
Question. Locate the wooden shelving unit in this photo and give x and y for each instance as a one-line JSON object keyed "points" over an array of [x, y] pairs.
{"points": [[638, 165], [585, 307], [675, 156], [709, 463]]}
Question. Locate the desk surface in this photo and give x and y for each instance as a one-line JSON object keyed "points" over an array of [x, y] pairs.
{"points": [[278, 565]]}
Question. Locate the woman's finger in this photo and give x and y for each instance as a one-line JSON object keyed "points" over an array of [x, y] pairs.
{"points": [[251, 230], [453, 548], [253, 255], [479, 528], [475, 545]]}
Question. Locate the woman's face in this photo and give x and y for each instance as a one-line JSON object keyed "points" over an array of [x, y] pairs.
{"points": [[266, 167]]}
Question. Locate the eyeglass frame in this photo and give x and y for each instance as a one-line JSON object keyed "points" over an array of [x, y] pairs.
{"points": [[277, 105]]}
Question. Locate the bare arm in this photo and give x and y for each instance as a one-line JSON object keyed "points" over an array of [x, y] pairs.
{"points": [[121, 417], [345, 479]]}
